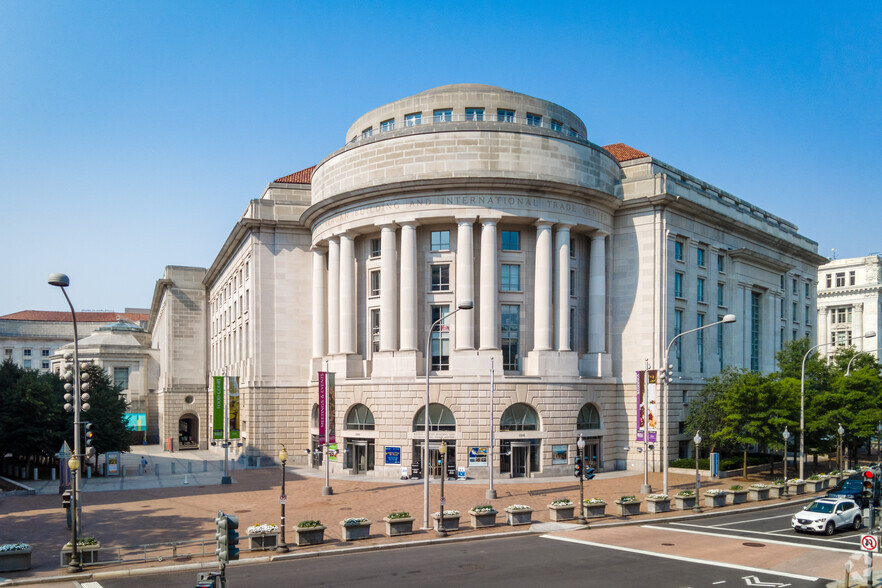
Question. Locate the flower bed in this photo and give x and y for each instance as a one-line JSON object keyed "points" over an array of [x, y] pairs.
{"points": [[398, 523], [758, 492], [593, 508], [656, 503], [628, 506], [15, 557], [263, 537], [355, 528], [561, 509], [87, 549], [451, 520], [714, 498], [309, 533], [482, 516], [736, 495], [519, 514]]}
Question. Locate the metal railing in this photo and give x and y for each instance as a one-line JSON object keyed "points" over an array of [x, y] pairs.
{"points": [[164, 551]]}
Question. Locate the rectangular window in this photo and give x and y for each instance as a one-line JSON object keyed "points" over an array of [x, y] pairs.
{"points": [[572, 337], [375, 248], [375, 329], [793, 286], [572, 247], [781, 339], [572, 282], [45, 365], [807, 315], [782, 281], [510, 278], [474, 114], [829, 281], [367, 132], [720, 341], [678, 285], [700, 342], [443, 115], [44, 352], [440, 240], [721, 263], [699, 291], [755, 328], [534, 120], [121, 378], [27, 364], [808, 289], [511, 240], [440, 278], [27, 352], [795, 335], [793, 316], [556, 125], [678, 328], [412, 120], [440, 338], [505, 115], [375, 282], [699, 253], [720, 299], [840, 279], [511, 330], [678, 250], [851, 278], [387, 125]]}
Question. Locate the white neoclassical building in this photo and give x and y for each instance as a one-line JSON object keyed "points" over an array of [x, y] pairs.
{"points": [[849, 297], [582, 262]]}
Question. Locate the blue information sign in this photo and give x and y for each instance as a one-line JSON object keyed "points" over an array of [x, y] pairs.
{"points": [[715, 465], [393, 455]]}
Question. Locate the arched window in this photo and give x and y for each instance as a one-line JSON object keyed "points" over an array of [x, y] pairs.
{"points": [[440, 419], [519, 417], [315, 418], [588, 417], [360, 418]]}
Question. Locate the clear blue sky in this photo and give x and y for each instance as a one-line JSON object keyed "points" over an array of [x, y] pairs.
{"points": [[133, 134]]}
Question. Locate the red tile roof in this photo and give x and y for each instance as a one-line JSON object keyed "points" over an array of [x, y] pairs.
{"points": [[623, 152], [304, 176], [52, 316]]}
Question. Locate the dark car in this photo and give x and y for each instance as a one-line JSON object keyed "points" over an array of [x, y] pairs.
{"points": [[850, 488]]}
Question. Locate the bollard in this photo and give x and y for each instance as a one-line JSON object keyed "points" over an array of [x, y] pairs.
{"points": [[204, 466], [156, 469], [173, 468], [89, 473], [36, 474], [189, 467], [53, 474]]}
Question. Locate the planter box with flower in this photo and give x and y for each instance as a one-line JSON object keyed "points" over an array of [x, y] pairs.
{"points": [[814, 483], [757, 492], [627, 506], [776, 490], [263, 537], [482, 516], [795, 486], [594, 508], [685, 500], [355, 528], [451, 520], [519, 514], [87, 549], [398, 523], [736, 495], [561, 509], [714, 498], [15, 557], [656, 503], [309, 533], [833, 478]]}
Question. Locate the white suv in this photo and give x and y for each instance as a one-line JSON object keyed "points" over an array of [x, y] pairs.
{"points": [[825, 515]]}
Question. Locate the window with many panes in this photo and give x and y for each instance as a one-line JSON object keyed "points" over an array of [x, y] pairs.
{"points": [[387, 125], [793, 316], [699, 256], [443, 115], [511, 240], [412, 120], [375, 282], [678, 284], [678, 250], [510, 336], [367, 132], [699, 290], [678, 328], [375, 248], [700, 342], [755, 328], [440, 240], [720, 290], [375, 329], [440, 338], [851, 278], [721, 263], [534, 120], [440, 277], [510, 278], [556, 125], [475, 114], [505, 115], [840, 279], [794, 287], [121, 377], [829, 280], [27, 352]]}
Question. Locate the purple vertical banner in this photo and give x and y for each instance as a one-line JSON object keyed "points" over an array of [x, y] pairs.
{"points": [[332, 437], [323, 389], [639, 406], [326, 403], [652, 408]]}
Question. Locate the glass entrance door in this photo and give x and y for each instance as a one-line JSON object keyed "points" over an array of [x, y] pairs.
{"points": [[592, 454], [520, 464], [360, 456]]}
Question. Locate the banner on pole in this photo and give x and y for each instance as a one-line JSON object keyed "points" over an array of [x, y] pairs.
{"points": [[647, 390], [234, 406], [218, 407], [326, 408]]}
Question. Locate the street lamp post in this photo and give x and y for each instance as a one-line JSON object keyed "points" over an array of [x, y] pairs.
{"points": [[696, 507], [442, 449], [580, 444], [878, 440], [62, 281], [729, 318], [841, 456], [867, 335], [464, 305], [283, 457], [786, 435]]}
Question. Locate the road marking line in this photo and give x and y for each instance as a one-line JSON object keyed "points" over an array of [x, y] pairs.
{"points": [[754, 520], [813, 537], [681, 558], [720, 582], [740, 538]]}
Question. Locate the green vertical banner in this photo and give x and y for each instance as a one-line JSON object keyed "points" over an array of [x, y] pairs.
{"points": [[234, 406], [218, 406]]}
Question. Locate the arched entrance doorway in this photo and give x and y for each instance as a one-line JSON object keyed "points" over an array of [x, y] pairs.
{"points": [[188, 432]]}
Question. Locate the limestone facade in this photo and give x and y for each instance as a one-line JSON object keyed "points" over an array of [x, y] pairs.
{"points": [[849, 303]]}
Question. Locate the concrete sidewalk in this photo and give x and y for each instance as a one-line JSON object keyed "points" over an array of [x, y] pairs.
{"points": [[151, 509]]}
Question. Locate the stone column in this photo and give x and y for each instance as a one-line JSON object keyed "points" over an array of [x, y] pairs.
{"points": [[408, 287], [319, 301], [823, 328], [465, 283], [489, 307], [542, 309], [597, 295], [829, 321], [388, 289], [562, 286], [347, 294], [857, 326], [333, 295]]}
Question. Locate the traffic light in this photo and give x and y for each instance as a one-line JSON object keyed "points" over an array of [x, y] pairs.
{"points": [[869, 482], [90, 439], [589, 474], [577, 470], [65, 499], [227, 537]]}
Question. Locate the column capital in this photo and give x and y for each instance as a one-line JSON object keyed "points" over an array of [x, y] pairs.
{"points": [[390, 225], [465, 219], [541, 222], [563, 226], [321, 248], [409, 222], [597, 235]]}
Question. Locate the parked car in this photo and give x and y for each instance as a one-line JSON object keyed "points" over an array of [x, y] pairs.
{"points": [[849, 488], [825, 515]]}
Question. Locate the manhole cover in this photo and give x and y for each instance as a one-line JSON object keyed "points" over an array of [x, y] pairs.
{"points": [[346, 508], [668, 544], [471, 566], [749, 544]]}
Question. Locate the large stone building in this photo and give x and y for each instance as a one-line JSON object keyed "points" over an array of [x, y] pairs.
{"points": [[582, 263], [849, 296]]}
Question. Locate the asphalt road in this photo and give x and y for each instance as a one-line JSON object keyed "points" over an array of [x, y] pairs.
{"points": [[529, 561]]}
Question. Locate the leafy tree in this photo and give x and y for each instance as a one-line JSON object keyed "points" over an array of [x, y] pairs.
{"points": [[706, 410]]}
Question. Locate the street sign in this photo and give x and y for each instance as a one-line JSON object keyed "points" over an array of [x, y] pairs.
{"points": [[869, 543], [443, 500], [283, 499]]}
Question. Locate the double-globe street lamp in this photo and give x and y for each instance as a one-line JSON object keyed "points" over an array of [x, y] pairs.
{"points": [[841, 457], [442, 451], [463, 305], [696, 506], [283, 457], [729, 318], [580, 452], [867, 335], [62, 281]]}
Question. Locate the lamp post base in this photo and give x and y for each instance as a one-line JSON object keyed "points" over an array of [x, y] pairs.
{"points": [[697, 507], [327, 491], [645, 489], [581, 520], [226, 480], [441, 533], [490, 495], [282, 548]]}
